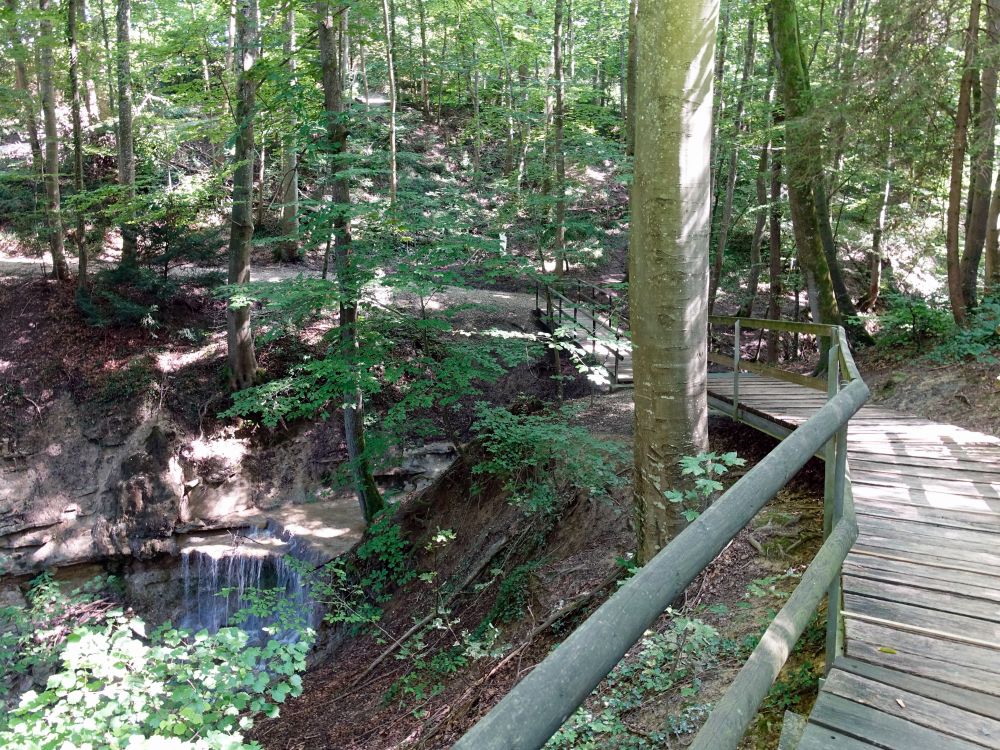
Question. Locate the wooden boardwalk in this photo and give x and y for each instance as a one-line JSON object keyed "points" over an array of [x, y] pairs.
{"points": [[921, 667]]}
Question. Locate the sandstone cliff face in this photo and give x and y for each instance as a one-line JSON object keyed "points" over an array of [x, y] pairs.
{"points": [[75, 491]]}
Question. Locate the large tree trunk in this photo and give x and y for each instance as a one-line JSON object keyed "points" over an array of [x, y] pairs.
{"points": [[959, 141], [982, 162], [559, 246], [668, 255], [73, 15], [53, 213], [802, 160], [126, 148], [390, 38], [727, 205], [29, 120], [347, 272], [242, 357]]}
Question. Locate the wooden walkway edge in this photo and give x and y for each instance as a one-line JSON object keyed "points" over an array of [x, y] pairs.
{"points": [[921, 585]]}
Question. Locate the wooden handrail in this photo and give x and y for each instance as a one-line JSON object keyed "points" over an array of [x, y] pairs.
{"points": [[542, 701]]}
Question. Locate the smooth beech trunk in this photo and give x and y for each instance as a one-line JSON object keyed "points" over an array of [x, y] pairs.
{"points": [[53, 211], [329, 21], [802, 160], [242, 356], [126, 147], [668, 255]]}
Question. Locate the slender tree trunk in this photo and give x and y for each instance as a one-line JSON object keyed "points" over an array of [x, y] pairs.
{"points": [[633, 12], [753, 278], [109, 72], [425, 88], [668, 255], [72, 16], [391, 68], [991, 254], [982, 161], [477, 126], [347, 272], [289, 155], [734, 151], [29, 120], [802, 160], [242, 356], [959, 142], [559, 246], [231, 37], [875, 259], [775, 290], [53, 213], [718, 103], [126, 150]]}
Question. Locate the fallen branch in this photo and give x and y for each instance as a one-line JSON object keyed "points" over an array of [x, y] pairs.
{"points": [[473, 574]]}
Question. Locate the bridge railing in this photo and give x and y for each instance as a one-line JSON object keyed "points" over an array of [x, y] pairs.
{"points": [[538, 705], [600, 312]]}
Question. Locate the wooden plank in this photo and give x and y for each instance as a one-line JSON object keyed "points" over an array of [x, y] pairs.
{"points": [[939, 670], [957, 485], [939, 500], [970, 700], [886, 549], [939, 469], [881, 729], [968, 559], [933, 623], [923, 597], [915, 708], [821, 738], [960, 656], [965, 539], [924, 576], [929, 516]]}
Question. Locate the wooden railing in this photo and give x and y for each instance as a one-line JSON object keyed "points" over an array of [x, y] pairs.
{"points": [[542, 701], [601, 312]]}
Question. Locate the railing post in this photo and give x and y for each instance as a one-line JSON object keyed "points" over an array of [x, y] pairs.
{"points": [[536, 296], [618, 339], [833, 506], [736, 371]]}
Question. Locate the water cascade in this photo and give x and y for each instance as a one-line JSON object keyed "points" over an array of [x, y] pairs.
{"points": [[218, 570]]}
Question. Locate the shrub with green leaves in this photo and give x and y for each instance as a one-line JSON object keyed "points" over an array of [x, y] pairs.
{"points": [[703, 469], [911, 320], [979, 340], [539, 457], [119, 688], [111, 685]]}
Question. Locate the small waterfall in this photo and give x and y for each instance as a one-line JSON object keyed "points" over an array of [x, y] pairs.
{"points": [[255, 560]]}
